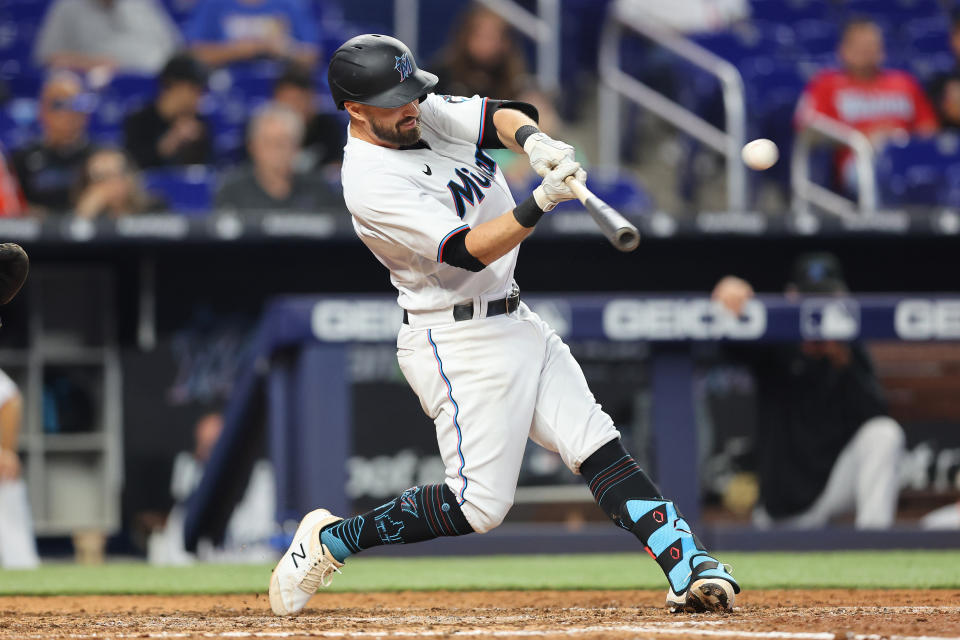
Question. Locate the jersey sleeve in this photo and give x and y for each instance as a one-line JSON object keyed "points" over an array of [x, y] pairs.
{"points": [[395, 211], [817, 98], [470, 119], [925, 119], [8, 388]]}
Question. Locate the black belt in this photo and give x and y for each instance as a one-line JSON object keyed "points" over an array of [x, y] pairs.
{"points": [[464, 310]]}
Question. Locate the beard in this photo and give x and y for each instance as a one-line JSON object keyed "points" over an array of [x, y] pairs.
{"points": [[396, 135]]}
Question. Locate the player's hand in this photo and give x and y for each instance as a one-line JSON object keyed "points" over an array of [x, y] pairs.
{"points": [[554, 190], [733, 293], [9, 465], [545, 153]]}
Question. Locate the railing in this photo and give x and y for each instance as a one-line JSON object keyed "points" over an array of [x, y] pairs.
{"points": [[806, 192], [542, 27], [616, 84]]}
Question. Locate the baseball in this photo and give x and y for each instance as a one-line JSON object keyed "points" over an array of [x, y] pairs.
{"points": [[760, 154]]}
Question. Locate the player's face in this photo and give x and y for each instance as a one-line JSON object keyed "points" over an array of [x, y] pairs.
{"points": [[400, 126], [862, 50]]}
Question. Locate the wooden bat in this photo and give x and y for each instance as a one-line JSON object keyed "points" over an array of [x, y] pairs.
{"points": [[619, 231]]}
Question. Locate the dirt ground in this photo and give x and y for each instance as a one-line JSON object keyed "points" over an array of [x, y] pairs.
{"points": [[800, 614]]}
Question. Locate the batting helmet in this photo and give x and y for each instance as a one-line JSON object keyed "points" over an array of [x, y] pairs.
{"points": [[376, 70]]}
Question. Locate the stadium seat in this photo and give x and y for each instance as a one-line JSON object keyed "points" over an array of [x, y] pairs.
{"points": [[788, 11], [187, 190], [915, 172]]}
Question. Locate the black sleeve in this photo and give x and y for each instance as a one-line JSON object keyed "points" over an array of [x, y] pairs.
{"points": [[490, 138], [455, 253], [140, 142]]}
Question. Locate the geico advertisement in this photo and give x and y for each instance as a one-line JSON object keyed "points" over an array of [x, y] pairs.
{"points": [[659, 319]]}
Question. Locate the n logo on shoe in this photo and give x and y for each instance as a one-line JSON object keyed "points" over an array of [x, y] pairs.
{"points": [[294, 555]]}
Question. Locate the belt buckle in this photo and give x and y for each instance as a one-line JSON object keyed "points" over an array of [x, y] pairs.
{"points": [[513, 299]]}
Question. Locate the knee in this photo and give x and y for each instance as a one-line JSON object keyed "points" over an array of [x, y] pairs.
{"points": [[884, 433], [485, 517]]}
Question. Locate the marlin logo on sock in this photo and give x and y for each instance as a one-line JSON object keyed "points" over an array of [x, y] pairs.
{"points": [[404, 66], [408, 501]]}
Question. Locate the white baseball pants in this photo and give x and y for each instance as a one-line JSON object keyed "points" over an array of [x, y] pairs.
{"points": [[489, 384], [864, 479]]}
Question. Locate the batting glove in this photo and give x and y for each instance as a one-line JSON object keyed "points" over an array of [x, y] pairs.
{"points": [[545, 153], [553, 190]]}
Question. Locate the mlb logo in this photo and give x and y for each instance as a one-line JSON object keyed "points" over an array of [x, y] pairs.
{"points": [[829, 319]]}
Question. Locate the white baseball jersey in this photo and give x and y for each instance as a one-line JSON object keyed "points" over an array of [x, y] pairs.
{"points": [[407, 202], [488, 383]]}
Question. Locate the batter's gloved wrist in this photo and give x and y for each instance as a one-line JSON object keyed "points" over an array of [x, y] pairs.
{"points": [[545, 153], [554, 190]]}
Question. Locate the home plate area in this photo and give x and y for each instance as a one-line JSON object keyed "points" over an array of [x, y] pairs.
{"points": [[797, 614]]}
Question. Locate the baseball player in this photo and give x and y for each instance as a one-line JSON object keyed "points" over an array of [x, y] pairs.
{"points": [[433, 207]]}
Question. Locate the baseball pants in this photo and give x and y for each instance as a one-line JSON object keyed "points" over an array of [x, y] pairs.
{"points": [[489, 384]]}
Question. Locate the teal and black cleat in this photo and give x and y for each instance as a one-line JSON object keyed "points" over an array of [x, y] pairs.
{"points": [[710, 588], [698, 582]]}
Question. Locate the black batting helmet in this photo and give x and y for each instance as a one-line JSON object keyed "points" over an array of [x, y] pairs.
{"points": [[376, 70]]}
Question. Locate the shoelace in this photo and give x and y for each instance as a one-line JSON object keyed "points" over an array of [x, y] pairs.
{"points": [[320, 573]]}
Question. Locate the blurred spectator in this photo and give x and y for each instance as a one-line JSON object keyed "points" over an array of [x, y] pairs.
{"points": [[48, 168], [878, 102], [222, 32], [170, 131], [110, 186], [133, 35], [482, 58], [271, 182], [945, 87], [18, 548], [12, 202], [825, 443], [252, 521], [324, 135]]}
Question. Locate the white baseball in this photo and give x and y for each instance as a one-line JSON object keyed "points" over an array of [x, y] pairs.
{"points": [[760, 154]]}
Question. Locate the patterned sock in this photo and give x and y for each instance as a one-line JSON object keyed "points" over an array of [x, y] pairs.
{"points": [[418, 514], [633, 502], [614, 477]]}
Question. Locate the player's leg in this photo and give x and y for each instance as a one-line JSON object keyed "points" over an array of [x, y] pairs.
{"points": [[567, 419], [479, 383]]}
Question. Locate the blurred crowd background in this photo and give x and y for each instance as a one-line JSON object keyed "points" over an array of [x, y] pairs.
{"points": [[219, 110]]}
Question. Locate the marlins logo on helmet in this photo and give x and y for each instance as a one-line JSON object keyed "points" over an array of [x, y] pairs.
{"points": [[403, 66]]}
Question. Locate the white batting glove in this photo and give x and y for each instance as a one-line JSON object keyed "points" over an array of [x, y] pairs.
{"points": [[545, 153], [553, 190]]}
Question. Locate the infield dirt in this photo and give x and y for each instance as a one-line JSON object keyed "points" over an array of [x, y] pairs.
{"points": [[799, 614]]}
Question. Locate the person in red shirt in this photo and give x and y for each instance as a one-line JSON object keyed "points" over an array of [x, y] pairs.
{"points": [[879, 102], [12, 202]]}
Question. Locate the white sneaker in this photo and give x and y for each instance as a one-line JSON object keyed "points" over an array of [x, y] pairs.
{"points": [[305, 567]]}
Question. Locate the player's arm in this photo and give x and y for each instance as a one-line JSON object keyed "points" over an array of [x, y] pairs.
{"points": [[495, 238], [519, 133]]}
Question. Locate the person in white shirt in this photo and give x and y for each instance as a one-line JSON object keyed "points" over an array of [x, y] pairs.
{"points": [[18, 548], [432, 206]]}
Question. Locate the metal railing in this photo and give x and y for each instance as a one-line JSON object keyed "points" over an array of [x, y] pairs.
{"points": [[542, 27], [616, 84], [806, 193]]}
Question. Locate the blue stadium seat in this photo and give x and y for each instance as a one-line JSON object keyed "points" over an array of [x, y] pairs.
{"points": [[624, 192], [816, 36], [789, 11], [187, 190], [915, 172]]}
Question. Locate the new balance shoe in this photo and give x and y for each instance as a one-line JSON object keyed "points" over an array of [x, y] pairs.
{"points": [[711, 588], [305, 567]]}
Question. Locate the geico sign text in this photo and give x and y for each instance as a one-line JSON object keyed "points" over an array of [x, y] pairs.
{"points": [[696, 319], [363, 320], [927, 319]]}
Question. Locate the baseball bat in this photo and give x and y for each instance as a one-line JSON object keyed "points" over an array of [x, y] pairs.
{"points": [[619, 231]]}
